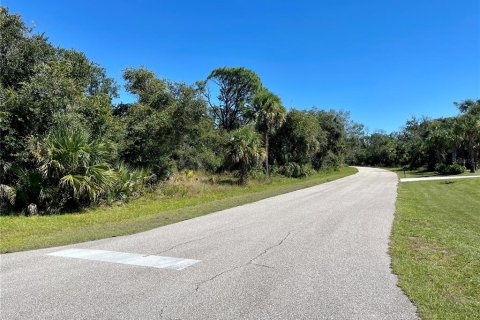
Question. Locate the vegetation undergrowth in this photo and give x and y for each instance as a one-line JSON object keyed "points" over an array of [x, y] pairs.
{"points": [[435, 247], [175, 200]]}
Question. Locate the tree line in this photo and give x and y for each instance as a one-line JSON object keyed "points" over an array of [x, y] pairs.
{"points": [[65, 144], [447, 145]]}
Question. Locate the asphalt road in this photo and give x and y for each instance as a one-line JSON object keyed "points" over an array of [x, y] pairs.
{"points": [[316, 253]]}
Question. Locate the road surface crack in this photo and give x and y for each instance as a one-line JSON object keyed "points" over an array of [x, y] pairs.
{"points": [[215, 276], [181, 244], [251, 261], [197, 239], [264, 252], [261, 265]]}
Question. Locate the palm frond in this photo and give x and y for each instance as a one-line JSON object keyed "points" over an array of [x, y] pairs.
{"points": [[8, 193]]}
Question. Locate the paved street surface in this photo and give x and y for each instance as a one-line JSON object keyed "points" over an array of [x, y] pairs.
{"points": [[437, 178], [317, 253]]}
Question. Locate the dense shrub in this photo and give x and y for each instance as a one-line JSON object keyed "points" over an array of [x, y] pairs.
{"points": [[295, 170], [330, 161], [456, 169], [449, 169], [258, 173], [131, 183]]}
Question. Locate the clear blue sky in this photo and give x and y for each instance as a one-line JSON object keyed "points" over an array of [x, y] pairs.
{"points": [[384, 61]]}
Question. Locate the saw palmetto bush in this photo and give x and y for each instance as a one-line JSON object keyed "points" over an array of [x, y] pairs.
{"points": [[77, 163], [73, 163], [70, 170], [131, 182], [244, 151]]}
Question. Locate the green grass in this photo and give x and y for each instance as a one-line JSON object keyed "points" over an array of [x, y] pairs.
{"points": [[435, 247], [175, 202], [421, 173]]}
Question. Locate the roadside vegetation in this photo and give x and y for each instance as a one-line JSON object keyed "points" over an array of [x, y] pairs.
{"points": [[66, 145], [435, 247], [187, 196], [445, 145]]}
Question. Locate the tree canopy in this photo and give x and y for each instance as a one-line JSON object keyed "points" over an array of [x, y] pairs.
{"points": [[236, 88]]}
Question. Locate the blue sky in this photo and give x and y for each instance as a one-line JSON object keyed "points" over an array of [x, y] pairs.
{"points": [[384, 61]]}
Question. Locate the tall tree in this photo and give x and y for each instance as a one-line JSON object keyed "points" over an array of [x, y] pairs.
{"points": [[236, 88], [438, 139], [456, 134], [355, 142], [332, 138], [414, 135], [151, 91], [168, 127], [270, 115], [381, 149], [469, 106], [471, 125], [298, 139], [20, 50]]}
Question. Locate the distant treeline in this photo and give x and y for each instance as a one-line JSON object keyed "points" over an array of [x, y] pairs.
{"points": [[446, 145], [64, 144]]}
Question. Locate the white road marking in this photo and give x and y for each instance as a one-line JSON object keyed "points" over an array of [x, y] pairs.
{"points": [[437, 178], [126, 258]]}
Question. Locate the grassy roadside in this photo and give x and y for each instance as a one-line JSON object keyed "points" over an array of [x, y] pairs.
{"points": [[423, 173], [19, 233], [435, 247]]}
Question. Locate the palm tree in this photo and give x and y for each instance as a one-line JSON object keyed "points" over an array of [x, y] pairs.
{"points": [[438, 139], [244, 151], [470, 122], [456, 134], [471, 126], [270, 115], [69, 158]]}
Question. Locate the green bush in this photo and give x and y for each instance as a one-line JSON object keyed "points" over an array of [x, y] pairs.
{"points": [[258, 173], [295, 170], [449, 169], [441, 168], [275, 170], [331, 161], [130, 182], [456, 169]]}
